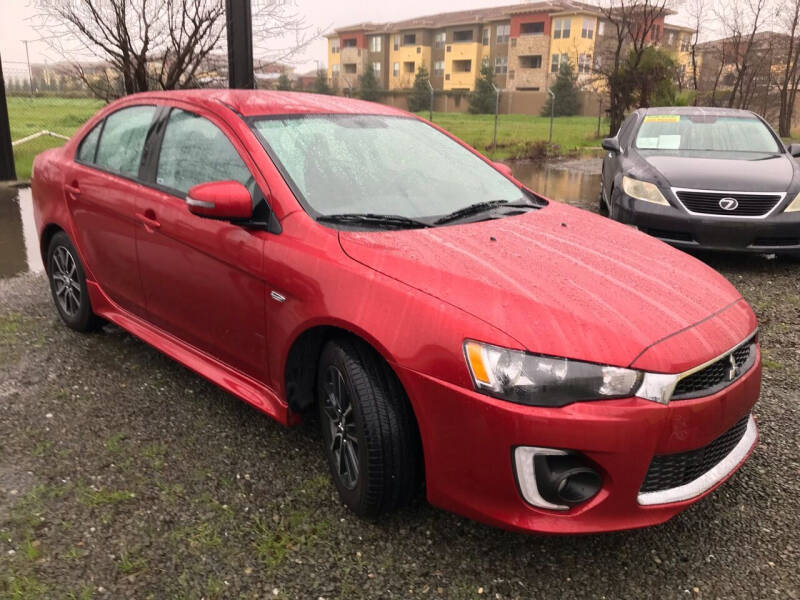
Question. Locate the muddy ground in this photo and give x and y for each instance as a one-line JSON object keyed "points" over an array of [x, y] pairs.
{"points": [[124, 475]]}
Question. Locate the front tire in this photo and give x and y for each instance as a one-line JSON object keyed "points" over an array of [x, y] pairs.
{"points": [[68, 285], [368, 428]]}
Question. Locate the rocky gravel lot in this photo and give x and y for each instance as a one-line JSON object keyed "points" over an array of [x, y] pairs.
{"points": [[124, 475]]}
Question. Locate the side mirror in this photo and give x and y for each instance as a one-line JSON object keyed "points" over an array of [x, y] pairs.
{"points": [[611, 144], [220, 200], [503, 168], [794, 149]]}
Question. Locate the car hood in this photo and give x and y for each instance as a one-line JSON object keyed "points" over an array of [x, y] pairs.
{"points": [[770, 174], [565, 282]]}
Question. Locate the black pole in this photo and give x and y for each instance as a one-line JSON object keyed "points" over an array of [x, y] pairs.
{"points": [[7, 171], [240, 44]]}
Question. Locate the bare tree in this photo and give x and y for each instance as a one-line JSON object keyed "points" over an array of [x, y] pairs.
{"points": [[697, 11], [633, 25], [158, 44], [790, 69]]}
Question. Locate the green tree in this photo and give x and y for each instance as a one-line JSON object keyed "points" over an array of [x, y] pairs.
{"points": [[483, 99], [653, 78], [420, 97], [284, 83], [369, 85], [567, 102], [321, 83]]}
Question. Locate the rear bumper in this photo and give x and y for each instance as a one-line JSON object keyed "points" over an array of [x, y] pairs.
{"points": [[468, 441], [777, 233]]}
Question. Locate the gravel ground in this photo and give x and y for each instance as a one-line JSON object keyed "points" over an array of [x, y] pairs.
{"points": [[124, 475]]}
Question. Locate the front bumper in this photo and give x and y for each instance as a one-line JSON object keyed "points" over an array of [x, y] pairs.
{"points": [[468, 441], [776, 233]]}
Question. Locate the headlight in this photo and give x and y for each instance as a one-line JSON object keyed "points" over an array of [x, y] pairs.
{"points": [[794, 206], [544, 380], [643, 190]]}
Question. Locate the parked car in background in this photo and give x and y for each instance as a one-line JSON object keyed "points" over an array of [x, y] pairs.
{"points": [[539, 367], [710, 178]]}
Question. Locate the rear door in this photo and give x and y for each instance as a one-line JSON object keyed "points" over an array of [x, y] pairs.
{"points": [[102, 192], [202, 278]]}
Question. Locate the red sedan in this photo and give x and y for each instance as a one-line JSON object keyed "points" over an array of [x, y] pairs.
{"points": [[538, 367]]}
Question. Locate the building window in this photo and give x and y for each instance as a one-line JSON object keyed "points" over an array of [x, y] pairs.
{"points": [[349, 43], [335, 46], [501, 65], [531, 62], [376, 67], [686, 44], [462, 66], [463, 36], [587, 29], [561, 29], [557, 61], [410, 39], [396, 69], [584, 63], [485, 36], [532, 28], [502, 32], [335, 70], [397, 41], [438, 67], [439, 39], [484, 62], [350, 68], [671, 38], [601, 28], [408, 67], [375, 43]]}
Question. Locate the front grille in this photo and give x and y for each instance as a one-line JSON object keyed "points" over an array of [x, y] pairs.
{"points": [[674, 470], [750, 205], [716, 376]]}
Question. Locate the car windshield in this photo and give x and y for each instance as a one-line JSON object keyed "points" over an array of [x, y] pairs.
{"points": [[689, 134], [379, 165]]}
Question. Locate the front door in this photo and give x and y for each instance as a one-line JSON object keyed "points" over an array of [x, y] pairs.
{"points": [[202, 277]]}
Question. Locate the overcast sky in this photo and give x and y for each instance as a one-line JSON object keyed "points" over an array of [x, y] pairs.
{"points": [[319, 14]]}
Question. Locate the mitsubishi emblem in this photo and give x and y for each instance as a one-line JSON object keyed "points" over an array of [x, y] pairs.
{"points": [[734, 370]]}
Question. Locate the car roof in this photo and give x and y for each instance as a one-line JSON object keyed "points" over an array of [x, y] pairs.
{"points": [[267, 102], [710, 111]]}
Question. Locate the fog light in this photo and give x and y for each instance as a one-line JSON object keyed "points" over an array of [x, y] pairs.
{"points": [[555, 479]]}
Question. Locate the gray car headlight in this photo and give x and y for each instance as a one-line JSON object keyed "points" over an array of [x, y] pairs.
{"points": [[794, 205], [536, 380], [643, 190]]}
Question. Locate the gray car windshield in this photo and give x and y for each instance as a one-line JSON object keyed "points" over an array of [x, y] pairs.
{"points": [[346, 164], [690, 134]]}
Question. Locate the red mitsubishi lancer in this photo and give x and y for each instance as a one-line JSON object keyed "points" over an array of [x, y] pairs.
{"points": [[537, 367]]}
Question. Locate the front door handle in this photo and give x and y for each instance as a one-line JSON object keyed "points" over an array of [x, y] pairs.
{"points": [[148, 218], [73, 190]]}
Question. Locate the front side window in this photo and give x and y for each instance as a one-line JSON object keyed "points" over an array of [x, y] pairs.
{"points": [[88, 146], [122, 142], [381, 165], [195, 151], [700, 134]]}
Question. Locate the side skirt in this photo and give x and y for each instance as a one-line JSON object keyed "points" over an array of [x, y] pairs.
{"points": [[240, 385]]}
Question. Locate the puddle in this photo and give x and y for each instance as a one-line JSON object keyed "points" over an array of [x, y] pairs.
{"points": [[19, 244], [573, 181]]}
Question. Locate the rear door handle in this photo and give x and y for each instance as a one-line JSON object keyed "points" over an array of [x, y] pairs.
{"points": [[148, 218]]}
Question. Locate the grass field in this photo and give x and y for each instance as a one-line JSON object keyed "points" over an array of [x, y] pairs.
{"points": [[59, 115], [516, 132]]}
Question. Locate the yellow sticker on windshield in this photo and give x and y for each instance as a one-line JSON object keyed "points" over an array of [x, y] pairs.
{"points": [[662, 119]]}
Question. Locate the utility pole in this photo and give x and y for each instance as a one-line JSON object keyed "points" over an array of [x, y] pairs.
{"points": [[239, 20], [496, 110], [430, 108], [7, 171], [30, 71], [552, 112]]}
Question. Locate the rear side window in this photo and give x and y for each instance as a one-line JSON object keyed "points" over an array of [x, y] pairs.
{"points": [[122, 142], [88, 146], [195, 151]]}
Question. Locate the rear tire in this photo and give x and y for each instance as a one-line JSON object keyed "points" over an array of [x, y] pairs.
{"points": [[68, 285], [368, 428]]}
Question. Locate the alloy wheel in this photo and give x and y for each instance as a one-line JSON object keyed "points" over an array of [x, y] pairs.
{"points": [[64, 272], [341, 426]]}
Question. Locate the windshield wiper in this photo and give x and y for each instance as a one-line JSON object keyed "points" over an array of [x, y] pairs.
{"points": [[374, 219], [474, 209]]}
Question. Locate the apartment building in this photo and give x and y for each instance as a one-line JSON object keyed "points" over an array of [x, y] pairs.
{"points": [[523, 43]]}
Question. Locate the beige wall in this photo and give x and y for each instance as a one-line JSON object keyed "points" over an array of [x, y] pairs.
{"points": [[529, 45]]}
